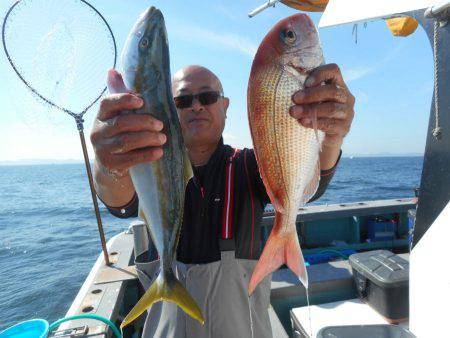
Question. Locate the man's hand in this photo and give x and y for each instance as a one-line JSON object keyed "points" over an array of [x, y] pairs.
{"points": [[120, 140], [326, 96]]}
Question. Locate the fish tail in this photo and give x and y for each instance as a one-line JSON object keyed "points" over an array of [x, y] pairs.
{"points": [[165, 288], [313, 185], [280, 249]]}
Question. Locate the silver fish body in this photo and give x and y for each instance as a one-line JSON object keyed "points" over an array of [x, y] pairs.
{"points": [[160, 185]]}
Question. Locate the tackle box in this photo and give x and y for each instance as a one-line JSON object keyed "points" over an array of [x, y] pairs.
{"points": [[382, 280]]}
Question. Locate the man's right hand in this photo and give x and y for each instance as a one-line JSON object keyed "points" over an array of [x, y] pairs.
{"points": [[122, 139]]}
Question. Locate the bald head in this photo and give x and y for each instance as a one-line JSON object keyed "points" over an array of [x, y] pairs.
{"points": [[186, 76], [202, 123]]}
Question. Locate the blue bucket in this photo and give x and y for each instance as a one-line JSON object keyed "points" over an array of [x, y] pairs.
{"points": [[35, 328]]}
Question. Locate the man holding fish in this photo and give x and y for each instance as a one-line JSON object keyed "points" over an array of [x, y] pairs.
{"points": [[220, 238]]}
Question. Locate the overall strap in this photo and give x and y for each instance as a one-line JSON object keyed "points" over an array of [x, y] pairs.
{"points": [[226, 241], [252, 201]]}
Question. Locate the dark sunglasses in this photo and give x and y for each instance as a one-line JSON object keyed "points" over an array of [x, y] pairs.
{"points": [[205, 98]]}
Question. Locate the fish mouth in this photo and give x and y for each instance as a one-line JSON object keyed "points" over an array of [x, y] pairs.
{"points": [[300, 69], [147, 17], [149, 12]]}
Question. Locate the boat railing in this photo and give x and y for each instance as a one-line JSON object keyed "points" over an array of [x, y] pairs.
{"points": [[344, 226]]}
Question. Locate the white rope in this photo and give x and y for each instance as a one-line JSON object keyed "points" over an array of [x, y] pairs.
{"points": [[437, 131], [251, 318]]}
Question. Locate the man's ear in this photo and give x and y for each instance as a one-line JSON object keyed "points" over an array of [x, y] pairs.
{"points": [[226, 103]]}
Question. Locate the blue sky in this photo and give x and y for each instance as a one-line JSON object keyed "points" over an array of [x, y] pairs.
{"points": [[390, 77]]}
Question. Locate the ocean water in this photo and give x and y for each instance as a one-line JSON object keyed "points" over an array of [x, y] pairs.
{"points": [[49, 239]]}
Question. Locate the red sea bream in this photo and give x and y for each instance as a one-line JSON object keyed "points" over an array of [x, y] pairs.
{"points": [[287, 152]]}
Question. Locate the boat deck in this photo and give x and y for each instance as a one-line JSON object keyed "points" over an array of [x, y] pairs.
{"points": [[112, 291]]}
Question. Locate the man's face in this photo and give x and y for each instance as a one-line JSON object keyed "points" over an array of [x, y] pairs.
{"points": [[200, 123]]}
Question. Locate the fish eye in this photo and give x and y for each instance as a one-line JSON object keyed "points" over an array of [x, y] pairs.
{"points": [[289, 36], [144, 43]]}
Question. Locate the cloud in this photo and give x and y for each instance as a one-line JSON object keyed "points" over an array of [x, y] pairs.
{"points": [[210, 38], [361, 96], [229, 137], [22, 141], [228, 13], [359, 72], [235, 141]]}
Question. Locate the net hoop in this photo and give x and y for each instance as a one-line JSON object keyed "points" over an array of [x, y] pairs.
{"points": [[51, 103]]}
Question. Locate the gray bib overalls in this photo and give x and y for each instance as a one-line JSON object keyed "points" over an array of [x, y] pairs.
{"points": [[220, 289]]}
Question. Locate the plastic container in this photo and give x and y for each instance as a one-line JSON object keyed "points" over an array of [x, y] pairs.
{"points": [[35, 328], [328, 255], [366, 331], [382, 280], [381, 229]]}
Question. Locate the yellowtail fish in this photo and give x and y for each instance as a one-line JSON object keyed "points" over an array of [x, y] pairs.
{"points": [[160, 185], [287, 152]]}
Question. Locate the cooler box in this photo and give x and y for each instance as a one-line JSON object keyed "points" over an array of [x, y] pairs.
{"points": [[366, 331], [348, 312], [382, 280]]}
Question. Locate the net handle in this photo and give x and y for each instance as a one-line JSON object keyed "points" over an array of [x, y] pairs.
{"points": [[77, 116]]}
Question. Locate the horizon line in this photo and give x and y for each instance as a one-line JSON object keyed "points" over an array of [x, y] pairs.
{"points": [[37, 161]]}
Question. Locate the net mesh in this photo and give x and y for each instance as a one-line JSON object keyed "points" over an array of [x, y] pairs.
{"points": [[61, 49]]}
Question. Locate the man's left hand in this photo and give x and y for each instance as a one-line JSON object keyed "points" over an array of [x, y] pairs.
{"points": [[326, 96]]}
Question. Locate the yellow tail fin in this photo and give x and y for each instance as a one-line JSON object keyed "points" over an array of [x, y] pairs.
{"points": [[165, 288]]}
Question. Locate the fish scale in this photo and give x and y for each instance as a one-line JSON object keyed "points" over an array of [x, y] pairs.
{"points": [[290, 139], [287, 152]]}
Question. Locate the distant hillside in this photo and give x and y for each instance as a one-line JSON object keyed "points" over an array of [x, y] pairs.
{"points": [[39, 162], [383, 155], [75, 161]]}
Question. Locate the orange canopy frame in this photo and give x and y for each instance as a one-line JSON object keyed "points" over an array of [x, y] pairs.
{"points": [[398, 26]]}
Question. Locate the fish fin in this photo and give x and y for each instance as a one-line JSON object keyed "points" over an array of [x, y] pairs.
{"points": [[316, 130], [280, 249], [312, 187], [142, 215], [165, 289], [188, 173], [273, 200], [115, 82]]}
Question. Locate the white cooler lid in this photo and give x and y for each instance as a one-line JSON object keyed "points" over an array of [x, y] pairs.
{"points": [[349, 312]]}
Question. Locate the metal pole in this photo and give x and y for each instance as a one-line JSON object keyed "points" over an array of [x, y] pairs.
{"points": [[437, 10], [435, 180], [79, 121], [270, 3]]}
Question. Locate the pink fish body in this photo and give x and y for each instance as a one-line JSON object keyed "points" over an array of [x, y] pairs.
{"points": [[287, 152]]}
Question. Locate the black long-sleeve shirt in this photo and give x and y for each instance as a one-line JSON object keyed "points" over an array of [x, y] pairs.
{"points": [[204, 205]]}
